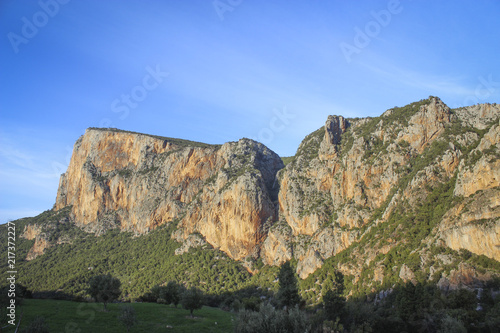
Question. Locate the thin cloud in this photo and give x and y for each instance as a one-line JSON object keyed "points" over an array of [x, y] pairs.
{"points": [[15, 156], [440, 84]]}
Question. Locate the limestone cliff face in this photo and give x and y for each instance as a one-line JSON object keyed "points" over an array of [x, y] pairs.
{"points": [[35, 232], [485, 172], [346, 178], [137, 182], [475, 224], [234, 209], [346, 172]]}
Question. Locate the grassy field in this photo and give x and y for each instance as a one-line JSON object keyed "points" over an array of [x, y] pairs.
{"points": [[66, 316]]}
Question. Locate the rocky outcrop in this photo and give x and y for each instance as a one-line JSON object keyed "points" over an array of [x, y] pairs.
{"points": [[426, 125], [474, 224], [464, 276], [482, 169], [137, 182], [478, 116], [192, 241], [38, 248], [278, 247], [33, 231], [406, 274]]}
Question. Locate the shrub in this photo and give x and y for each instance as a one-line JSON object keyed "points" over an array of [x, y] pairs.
{"points": [[127, 317], [270, 320]]}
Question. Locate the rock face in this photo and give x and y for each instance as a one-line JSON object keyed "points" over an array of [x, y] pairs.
{"points": [[426, 125], [463, 276], [485, 172], [346, 178], [475, 224], [35, 232], [348, 170], [137, 182]]}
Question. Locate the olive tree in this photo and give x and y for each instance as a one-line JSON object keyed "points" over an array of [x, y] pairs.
{"points": [[104, 288]]}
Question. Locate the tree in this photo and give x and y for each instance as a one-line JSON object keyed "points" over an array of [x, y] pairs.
{"points": [[156, 292], [127, 317], [104, 288], [333, 301], [288, 293], [171, 293], [192, 299]]}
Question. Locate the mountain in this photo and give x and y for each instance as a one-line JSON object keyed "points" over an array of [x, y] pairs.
{"points": [[137, 182], [412, 195]]}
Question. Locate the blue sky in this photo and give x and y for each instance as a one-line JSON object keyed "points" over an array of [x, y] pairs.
{"points": [[217, 71]]}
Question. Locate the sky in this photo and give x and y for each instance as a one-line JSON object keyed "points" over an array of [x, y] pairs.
{"points": [[218, 70]]}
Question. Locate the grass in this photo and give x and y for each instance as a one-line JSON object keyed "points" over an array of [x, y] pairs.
{"points": [[67, 316]]}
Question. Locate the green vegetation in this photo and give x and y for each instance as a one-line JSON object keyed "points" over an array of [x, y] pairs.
{"points": [[410, 226], [171, 293], [334, 300], [65, 270], [104, 288], [192, 299], [288, 293], [396, 116], [66, 316], [127, 317], [125, 173], [38, 325], [287, 160], [270, 320], [148, 270], [309, 147]]}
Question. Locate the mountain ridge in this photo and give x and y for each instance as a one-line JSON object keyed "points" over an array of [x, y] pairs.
{"points": [[414, 181]]}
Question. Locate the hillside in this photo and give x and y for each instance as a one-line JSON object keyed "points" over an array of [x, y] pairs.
{"points": [[412, 195]]}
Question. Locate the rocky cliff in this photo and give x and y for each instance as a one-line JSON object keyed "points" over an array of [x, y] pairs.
{"points": [[352, 182], [352, 173], [136, 182]]}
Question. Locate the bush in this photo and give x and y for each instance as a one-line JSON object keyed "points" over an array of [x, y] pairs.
{"points": [[270, 320], [452, 325], [127, 317]]}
